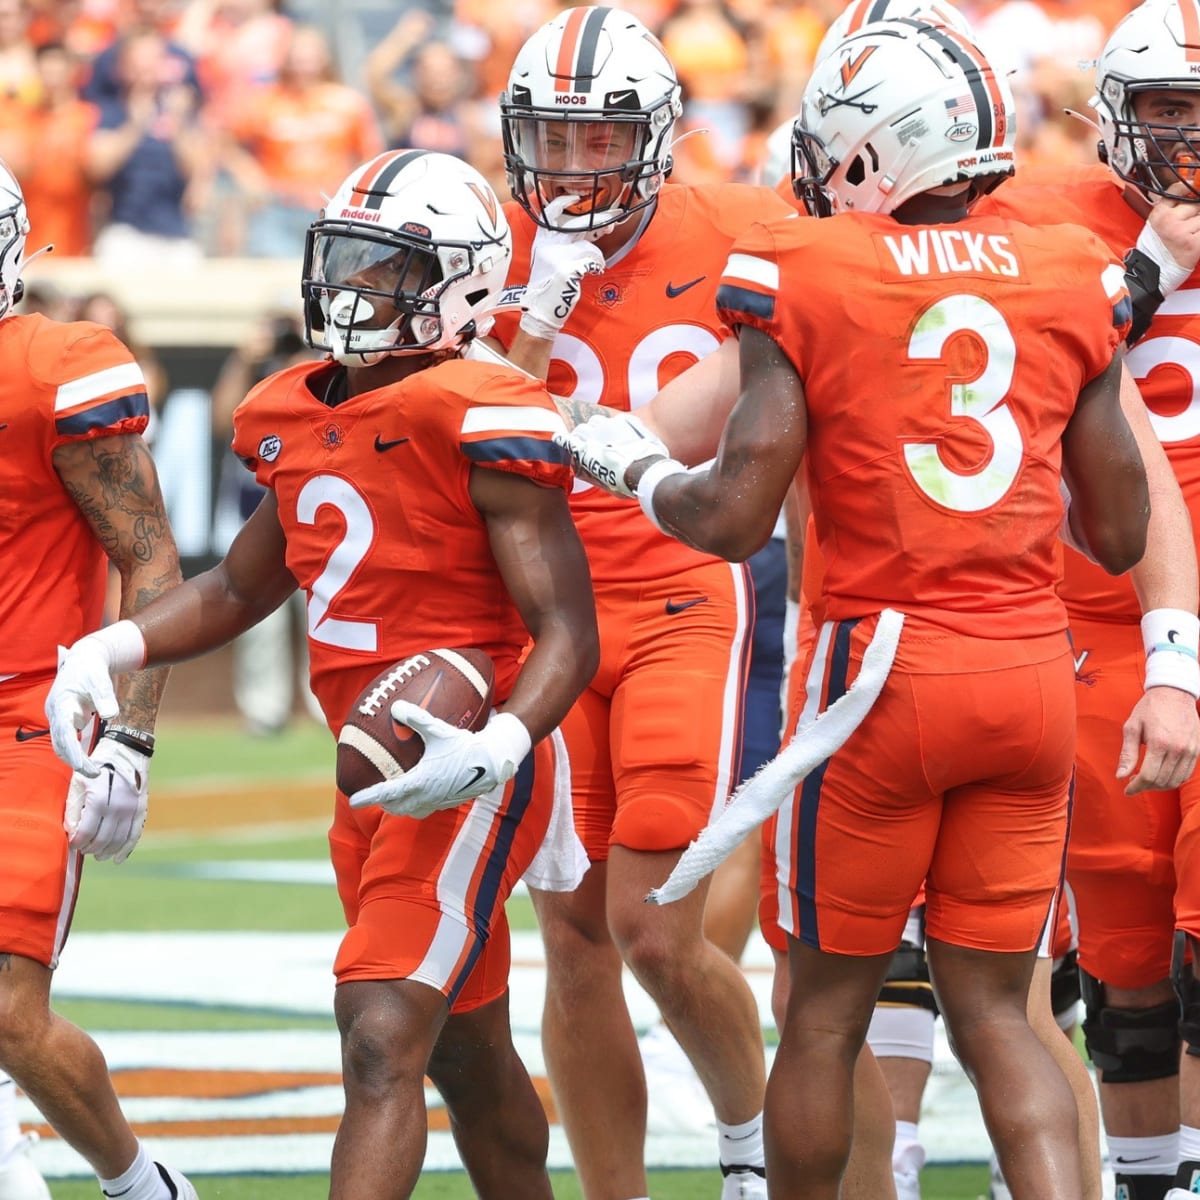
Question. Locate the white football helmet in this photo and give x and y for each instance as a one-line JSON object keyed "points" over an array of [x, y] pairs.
{"points": [[406, 258], [590, 111], [864, 12], [1155, 47], [14, 227], [897, 109], [777, 162]]}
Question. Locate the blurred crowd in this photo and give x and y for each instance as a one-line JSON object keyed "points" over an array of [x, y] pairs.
{"points": [[157, 131]]}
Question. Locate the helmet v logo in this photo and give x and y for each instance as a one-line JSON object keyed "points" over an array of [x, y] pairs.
{"points": [[487, 199], [852, 66]]}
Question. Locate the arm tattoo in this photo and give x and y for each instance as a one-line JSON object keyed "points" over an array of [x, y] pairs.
{"points": [[113, 482], [576, 412]]}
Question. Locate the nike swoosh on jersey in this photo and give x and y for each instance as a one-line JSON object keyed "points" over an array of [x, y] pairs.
{"points": [[381, 445], [25, 735], [1121, 1160], [673, 607], [673, 291]]}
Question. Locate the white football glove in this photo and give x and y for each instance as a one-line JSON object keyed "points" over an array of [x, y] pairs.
{"points": [[457, 765], [559, 260], [83, 688], [106, 813], [604, 448]]}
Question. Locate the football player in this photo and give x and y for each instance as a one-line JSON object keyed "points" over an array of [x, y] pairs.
{"points": [[418, 500], [933, 461], [79, 492], [588, 121], [1134, 861]]}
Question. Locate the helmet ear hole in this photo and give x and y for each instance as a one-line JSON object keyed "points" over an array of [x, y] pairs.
{"points": [[474, 298], [856, 172]]}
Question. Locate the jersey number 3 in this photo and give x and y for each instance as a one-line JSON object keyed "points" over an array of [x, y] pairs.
{"points": [[981, 400]]}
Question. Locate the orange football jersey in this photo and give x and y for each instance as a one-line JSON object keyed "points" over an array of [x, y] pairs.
{"points": [[373, 500], [649, 316], [58, 383], [938, 384], [1165, 363]]}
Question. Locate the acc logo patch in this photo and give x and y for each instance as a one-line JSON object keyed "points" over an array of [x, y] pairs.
{"points": [[269, 448], [961, 131], [512, 296]]}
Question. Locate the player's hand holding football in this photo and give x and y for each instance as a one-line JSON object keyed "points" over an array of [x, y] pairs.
{"points": [[456, 767], [560, 259], [106, 813], [604, 448]]}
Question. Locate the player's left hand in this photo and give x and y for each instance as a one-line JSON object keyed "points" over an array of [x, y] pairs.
{"points": [[456, 767], [604, 448], [105, 814], [1165, 722]]}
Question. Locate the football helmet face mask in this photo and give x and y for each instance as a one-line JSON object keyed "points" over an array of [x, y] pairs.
{"points": [[14, 227], [864, 12], [897, 109], [407, 258], [1156, 48], [590, 111]]}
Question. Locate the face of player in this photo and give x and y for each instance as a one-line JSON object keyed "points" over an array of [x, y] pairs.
{"points": [[581, 158], [1173, 147], [365, 277]]}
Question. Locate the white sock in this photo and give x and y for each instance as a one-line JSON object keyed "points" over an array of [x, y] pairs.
{"points": [[741, 1145], [908, 1155], [140, 1182], [10, 1129], [1189, 1143], [1144, 1156]]}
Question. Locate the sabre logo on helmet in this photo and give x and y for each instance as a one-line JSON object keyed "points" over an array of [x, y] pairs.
{"points": [[416, 255], [589, 112], [1147, 100], [923, 80]]}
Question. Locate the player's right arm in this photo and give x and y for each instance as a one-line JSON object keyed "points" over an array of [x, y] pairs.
{"points": [[1103, 469], [197, 616], [1164, 720]]}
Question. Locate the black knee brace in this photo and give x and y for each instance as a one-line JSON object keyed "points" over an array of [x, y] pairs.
{"points": [[1064, 984], [1129, 1045], [1183, 980], [907, 980]]}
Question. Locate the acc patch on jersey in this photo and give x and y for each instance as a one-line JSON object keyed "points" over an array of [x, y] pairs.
{"points": [[269, 448]]}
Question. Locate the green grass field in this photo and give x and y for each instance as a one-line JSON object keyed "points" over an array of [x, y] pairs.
{"points": [[157, 890]]}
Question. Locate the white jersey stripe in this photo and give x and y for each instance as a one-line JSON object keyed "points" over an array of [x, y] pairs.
{"points": [[496, 418], [112, 380], [731, 710], [754, 270]]}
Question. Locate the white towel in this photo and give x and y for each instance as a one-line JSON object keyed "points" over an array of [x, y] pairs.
{"points": [[773, 783], [561, 861]]}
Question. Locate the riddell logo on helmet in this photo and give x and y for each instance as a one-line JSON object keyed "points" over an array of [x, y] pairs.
{"points": [[570, 99], [361, 214]]}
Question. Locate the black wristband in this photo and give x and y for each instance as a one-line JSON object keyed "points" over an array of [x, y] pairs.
{"points": [[1142, 280], [135, 739]]}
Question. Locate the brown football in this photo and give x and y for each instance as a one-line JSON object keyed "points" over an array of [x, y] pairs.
{"points": [[455, 685]]}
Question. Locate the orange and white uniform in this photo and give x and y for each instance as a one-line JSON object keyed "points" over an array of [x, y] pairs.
{"points": [[655, 740], [1134, 861], [933, 466], [59, 383], [394, 558]]}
